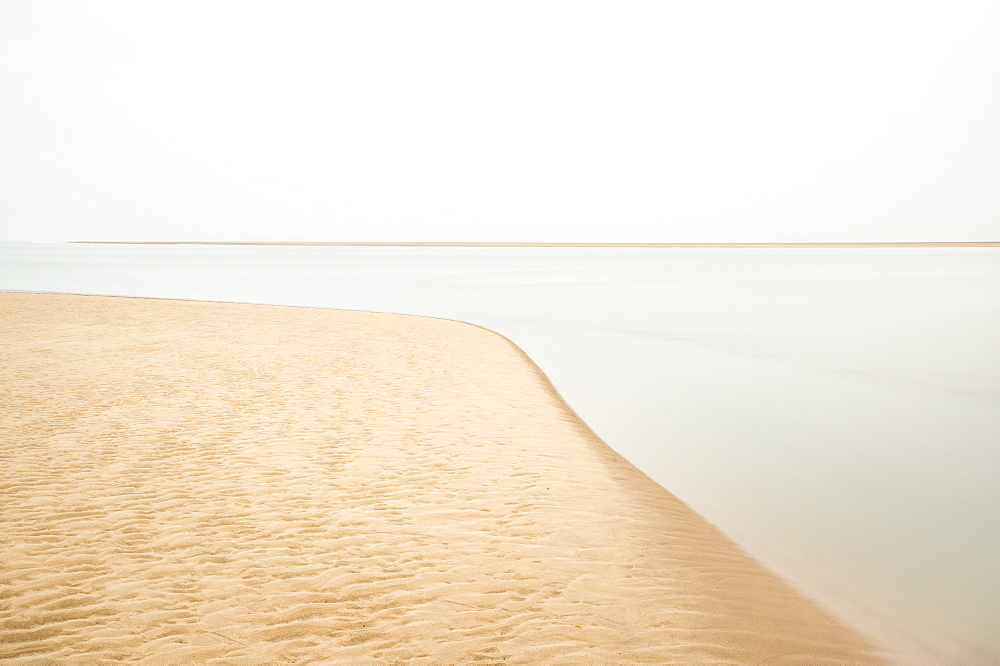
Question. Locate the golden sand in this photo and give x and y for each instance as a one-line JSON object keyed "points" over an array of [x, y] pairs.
{"points": [[190, 482]]}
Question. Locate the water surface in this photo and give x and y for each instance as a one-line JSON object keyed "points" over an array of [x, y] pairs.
{"points": [[833, 410]]}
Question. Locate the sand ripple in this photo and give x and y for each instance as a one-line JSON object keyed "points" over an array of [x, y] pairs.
{"points": [[196, 483]]}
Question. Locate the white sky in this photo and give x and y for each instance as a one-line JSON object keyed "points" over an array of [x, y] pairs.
{"points": [[500, 121]]}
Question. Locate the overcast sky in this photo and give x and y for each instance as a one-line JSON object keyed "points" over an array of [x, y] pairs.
{"points": [[608, 121]]}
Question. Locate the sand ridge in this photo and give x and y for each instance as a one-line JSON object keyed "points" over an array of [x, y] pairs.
{"points": [[223, 483]]}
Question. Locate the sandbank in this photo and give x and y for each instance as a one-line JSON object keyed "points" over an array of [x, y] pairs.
{"points": [[209, 482], [893, 244]]}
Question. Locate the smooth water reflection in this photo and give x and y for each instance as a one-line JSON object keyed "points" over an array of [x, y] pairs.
{"points": [[834, 410]]}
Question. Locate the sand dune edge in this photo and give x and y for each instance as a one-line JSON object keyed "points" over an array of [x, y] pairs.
{"points": [[205, 482]]}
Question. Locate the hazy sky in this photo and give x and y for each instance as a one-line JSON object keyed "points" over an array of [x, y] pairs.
{"points": [[500, 121]]}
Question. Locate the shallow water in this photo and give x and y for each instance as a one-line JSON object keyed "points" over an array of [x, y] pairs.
{"points": [[833, 410]]}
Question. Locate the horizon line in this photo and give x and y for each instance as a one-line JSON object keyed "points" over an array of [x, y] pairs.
{"points": [[817, 244]]}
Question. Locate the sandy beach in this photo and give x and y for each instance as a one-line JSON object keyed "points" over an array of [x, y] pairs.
{"points": [[190, 482]]}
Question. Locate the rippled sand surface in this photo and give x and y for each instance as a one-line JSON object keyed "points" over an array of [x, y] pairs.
{"points": [[191, 482]]}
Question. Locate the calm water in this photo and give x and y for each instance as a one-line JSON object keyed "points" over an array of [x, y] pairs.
{"points": [[836, 411]]}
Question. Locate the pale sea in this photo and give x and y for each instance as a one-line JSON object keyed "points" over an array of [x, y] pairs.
{"points": [[835, 411]]}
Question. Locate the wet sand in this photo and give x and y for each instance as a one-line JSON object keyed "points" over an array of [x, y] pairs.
{"points": [[197, 482]]}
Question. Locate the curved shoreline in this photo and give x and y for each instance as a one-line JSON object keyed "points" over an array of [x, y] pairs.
{"points": [[193, 481]]}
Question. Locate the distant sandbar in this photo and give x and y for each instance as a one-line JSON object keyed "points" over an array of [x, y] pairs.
{"points": [[503, 244]]}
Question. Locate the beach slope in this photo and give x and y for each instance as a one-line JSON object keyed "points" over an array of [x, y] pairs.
{"points": [[206, 482]]}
